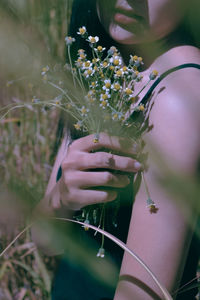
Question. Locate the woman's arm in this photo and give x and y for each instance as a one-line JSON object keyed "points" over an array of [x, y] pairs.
{"points": [[51, 199], [162, 240]]}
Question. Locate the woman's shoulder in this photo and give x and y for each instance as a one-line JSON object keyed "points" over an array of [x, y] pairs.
{"points": [[182, 68], [175, 113], [177, 56]]}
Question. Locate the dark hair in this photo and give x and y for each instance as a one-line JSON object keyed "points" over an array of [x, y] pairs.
{"points": [[84, 13]]}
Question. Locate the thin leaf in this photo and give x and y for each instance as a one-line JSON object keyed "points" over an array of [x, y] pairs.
{"points": [[124, 247], [43, 271]]}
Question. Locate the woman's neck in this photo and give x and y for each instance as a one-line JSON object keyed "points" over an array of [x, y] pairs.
{"points": [[152, 50]]}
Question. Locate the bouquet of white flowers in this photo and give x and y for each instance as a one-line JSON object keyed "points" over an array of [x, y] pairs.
{"points": [[108, 103]]}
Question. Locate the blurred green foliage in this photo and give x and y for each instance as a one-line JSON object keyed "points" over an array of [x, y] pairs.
{"points": [[31, 35]]}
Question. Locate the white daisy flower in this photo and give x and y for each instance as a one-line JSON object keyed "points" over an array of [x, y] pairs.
{"points": [[89, 72], [112, 50], [84, 110], [93, 84], [129, 93], [105, 64], [93, 39], [87, 64], [116, 60], [119, 73], [104, 100], [69, 40], [99, 49], [82, 30], [78, 125], [107, 84], [116, 87]]}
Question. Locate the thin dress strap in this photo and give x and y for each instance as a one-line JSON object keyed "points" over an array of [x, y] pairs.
{"points": [[163, 75]]}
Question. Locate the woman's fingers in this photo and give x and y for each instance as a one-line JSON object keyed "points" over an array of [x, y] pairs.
{"points": [[95, 179], [123, 145], [87, 197], [77, 178], [101, 160]]}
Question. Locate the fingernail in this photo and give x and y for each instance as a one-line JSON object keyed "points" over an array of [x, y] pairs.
{"points": [[137, 165]]}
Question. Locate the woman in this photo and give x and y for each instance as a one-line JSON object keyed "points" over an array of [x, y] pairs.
{"points": [[152, 29]]}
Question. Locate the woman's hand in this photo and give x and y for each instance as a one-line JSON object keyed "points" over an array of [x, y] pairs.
{"points": [[80, 177]]}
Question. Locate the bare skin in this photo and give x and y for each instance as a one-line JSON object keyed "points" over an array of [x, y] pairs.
{"points": [[76, 179], [162, 240]]}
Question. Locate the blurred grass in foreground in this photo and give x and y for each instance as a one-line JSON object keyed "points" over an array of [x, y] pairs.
{"points": [[31, 35]]}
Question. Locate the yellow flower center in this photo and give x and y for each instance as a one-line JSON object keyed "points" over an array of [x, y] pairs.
{"points": [[87, 64], [83, 110], [119, 73], [128, 91], [92, 40], [141, 107], [104, 103], [99, 48], [135, 57], [104, 96], [155, 72], [105, 63], [115, 116], [89, 72], [116, 62], [116, 86], [44, 69], [77, 126], [82, 30], [111, 68], [93, 83], [107, 85], [82, 55], [124, 68]]}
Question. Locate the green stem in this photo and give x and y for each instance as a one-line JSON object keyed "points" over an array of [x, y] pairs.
{"points": [[145, 185], [70, 61], [143, 88]]}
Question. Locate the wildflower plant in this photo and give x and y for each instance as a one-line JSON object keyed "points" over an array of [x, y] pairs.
{"points": [[108, 88], [108, 103]]}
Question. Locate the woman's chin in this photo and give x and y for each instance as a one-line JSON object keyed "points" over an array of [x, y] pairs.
{"points": [[122, 35]]}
